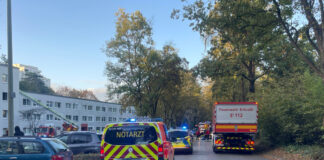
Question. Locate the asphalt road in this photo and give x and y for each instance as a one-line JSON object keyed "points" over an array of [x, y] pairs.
{"points": [[202, 150]]}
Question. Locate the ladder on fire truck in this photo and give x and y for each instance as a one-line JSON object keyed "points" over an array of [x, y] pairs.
{"points": [[49, 109]]}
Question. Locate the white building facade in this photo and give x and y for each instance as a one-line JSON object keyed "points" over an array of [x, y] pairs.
{"points": [[95, 115]]}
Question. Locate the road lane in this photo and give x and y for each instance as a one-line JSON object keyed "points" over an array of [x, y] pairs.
{"points": [[203, 151]]}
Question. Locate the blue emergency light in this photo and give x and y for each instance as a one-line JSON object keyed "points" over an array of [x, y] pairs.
{"points": [[184, 127], [132, 120]]}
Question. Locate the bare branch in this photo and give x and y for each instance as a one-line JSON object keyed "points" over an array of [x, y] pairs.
{"points": [[310, 17], [311, 41], [299, 50], [322, 11]]}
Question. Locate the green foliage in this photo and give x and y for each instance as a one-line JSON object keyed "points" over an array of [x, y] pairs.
{"points": [[292, 110], [33, 83], [138, 72]]}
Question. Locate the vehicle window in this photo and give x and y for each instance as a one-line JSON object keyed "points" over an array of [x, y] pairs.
{"points": [[80, 138], [177, 134], [130, 135], [63, 138], [32, 147], [99, 136], [8, 147], [57, 145]]}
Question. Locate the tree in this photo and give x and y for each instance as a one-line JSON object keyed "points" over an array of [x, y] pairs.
{"points": [[243, 39], [129, 47], [32, 116], [33, 83], [71, 92], [313, 30], [138, 72]]}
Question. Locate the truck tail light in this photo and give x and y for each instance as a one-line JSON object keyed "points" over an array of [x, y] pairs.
{"points": [[102, 152], [250, 142], [160, 151], [57, 157], [218, 141]]}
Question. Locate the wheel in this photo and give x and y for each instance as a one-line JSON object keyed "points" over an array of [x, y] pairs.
{"points": [[190, 151], [215, 150]]}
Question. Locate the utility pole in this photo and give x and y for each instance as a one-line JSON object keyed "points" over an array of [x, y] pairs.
{"points": [[11, 94]]}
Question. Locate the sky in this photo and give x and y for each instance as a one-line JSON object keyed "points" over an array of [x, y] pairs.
{"points": [[65, 38]]}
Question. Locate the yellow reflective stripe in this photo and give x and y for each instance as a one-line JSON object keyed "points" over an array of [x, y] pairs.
{"points": [[149, 151], [113, 151], [122, 152], [133, 155], [138, 150], [154, 146], [107, 147], [128, 155], [120, 124]]}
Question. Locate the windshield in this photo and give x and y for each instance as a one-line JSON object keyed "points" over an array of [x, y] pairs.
{"points": [[130, 135], [178, 134]]}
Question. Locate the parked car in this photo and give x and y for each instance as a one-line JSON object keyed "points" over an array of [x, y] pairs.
{"points": [[81, 141], [33, 148]]}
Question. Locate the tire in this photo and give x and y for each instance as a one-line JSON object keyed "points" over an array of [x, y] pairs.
{"points": [[190, 151], [215, 150]]}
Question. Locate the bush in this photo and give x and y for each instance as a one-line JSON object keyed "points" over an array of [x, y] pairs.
{"points": [[315, 152], [291, 110]]}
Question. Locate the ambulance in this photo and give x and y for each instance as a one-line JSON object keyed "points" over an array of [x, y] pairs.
{"points": [[136, 140]]}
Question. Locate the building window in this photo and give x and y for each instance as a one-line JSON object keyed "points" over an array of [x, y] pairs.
{"points": [[129, 110], [84, 107], [120, 119], [89, 128], [75, 106], [97, 108], [76, 118], [102, 128], [49, 103], [84, 118], [56, 118], [103, 109], [114, 119], [110, 109], [4, 78], [90, 118], [4, 95], [97, 119], [49, 117], [114, 110], [4, 113], [89, 108], [68, 105], [26, 101], [103, 119], [58, 104], [110, 119], [68, 117]]}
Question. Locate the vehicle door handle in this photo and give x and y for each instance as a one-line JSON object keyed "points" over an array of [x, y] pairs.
{"points": [[12, 157]]}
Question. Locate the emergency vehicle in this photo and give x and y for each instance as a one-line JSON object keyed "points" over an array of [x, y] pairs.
{"points": [[45, 131], [181, 140], [136, 140], [234, 126]]}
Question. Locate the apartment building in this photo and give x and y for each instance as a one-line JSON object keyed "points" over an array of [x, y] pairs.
{"points": [[92, 114]]}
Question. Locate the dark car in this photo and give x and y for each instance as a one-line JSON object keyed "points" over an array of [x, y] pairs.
{"points": [[33, 148], [81, 142]]}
